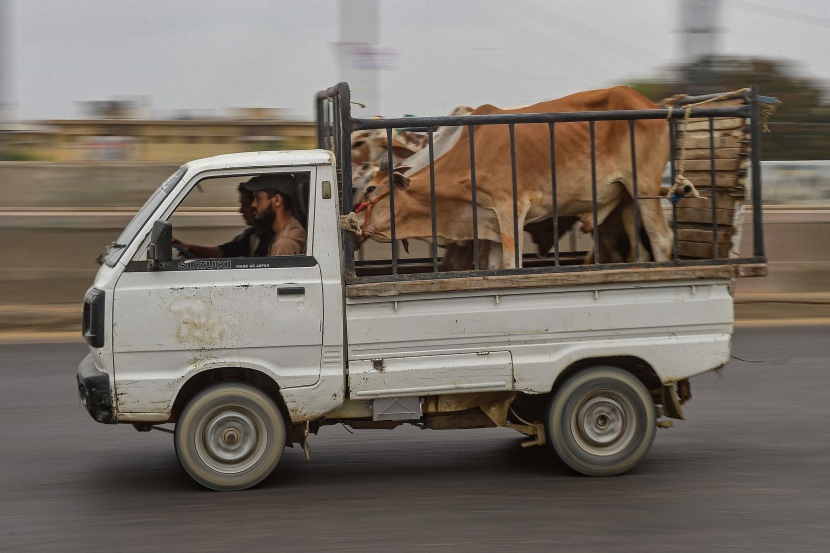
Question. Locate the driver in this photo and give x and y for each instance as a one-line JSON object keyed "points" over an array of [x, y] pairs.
{"points": [[274, 199], [252, 242]]}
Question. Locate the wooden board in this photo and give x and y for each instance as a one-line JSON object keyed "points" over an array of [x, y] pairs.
{"points": [[724, 139], [694, 215], [706, 164], [704, 236], [723, 202], [722, 123], [703, 179], [720, 153], [700, 250], [541, 280]]}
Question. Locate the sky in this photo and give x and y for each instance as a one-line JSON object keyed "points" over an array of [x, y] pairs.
{"points": [[211, 55]]}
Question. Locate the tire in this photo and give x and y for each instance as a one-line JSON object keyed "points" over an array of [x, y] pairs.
{"points": [[230, 437], [602, 421]]}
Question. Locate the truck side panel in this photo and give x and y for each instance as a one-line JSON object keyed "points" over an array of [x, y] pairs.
{"points": [[680, 329]]}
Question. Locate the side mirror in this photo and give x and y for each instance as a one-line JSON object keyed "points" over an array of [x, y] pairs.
{"points": [[160, 249]]}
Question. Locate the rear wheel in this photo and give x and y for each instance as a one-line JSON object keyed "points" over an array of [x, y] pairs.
{"points": [[230, 437], [602, 421]]}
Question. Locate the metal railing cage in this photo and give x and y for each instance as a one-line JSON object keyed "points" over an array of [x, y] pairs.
{"points": [[335, 126]]}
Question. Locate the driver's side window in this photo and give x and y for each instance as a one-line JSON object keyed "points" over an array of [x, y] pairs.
{"points": [[217, 219]]}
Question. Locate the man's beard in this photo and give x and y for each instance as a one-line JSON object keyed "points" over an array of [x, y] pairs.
{"points": [[264, 221]]}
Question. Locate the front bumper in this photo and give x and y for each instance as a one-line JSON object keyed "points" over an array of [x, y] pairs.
{"points": [[94, 391]]}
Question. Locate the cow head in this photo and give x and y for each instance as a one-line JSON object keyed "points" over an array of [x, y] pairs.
{"points": [[373, 208], [362, 174], [372, 146]]}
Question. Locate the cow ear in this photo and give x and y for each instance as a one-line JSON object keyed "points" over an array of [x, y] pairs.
{"points": [[402, 151], [401, 182]]}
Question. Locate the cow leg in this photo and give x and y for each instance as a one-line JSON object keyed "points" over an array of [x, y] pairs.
{"points": [[651, 215], [458, 256], [509, 242], [659, 233], [611, 248], [626, 215], [493, 259]]}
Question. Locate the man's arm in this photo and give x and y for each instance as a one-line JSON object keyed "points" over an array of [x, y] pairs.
{"points": [[200, 251]]}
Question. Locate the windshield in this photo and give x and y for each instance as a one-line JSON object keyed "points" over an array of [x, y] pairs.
{"points": [[113, 252]]}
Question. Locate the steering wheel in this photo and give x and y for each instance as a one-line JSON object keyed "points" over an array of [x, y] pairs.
{"points": [[184, 252]]}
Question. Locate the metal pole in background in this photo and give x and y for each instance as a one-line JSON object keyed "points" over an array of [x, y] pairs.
{"points": [[700, 42], [358, 53], [5, 75]]}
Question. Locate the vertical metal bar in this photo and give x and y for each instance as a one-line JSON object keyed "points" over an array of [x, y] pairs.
{"points": [[555, 198], [475, 201], [757, 204], [319, 102], [432, 200], [591, 125], [344, 129], [516, 237], [392, 201], [673, 167], [338, 133], [713, 178], [635, 190], [343, 114]]}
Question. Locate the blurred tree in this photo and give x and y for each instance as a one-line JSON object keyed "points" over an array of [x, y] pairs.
{"points": [[800, 128]]}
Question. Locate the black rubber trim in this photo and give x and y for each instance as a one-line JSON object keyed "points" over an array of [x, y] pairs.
{"points": [[94, 391], [92, 325], [276, 262], [291, 291]]}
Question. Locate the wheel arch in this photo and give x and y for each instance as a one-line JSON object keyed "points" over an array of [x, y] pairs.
{"points": [[209, 377], [638, 367]]}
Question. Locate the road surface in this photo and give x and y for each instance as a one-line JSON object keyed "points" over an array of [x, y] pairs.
{"points": [[748, 471]]}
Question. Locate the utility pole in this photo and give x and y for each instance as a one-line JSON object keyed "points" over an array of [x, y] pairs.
{"points": [[700, 41], [5, 79], [359, 55], [5, 71]]}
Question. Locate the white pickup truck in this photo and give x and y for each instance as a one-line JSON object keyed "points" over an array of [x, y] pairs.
{"points": [[249, 354]]}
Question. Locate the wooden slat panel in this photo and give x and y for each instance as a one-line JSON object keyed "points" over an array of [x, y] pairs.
{"points": [[693, 215], [699, 250], [724, 201], [395, 289], [705, 164], [703, 236], [723, 179], [720, 153], [723, 139], [722, 123]]}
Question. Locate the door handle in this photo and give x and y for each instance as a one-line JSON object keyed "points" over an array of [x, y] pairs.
{"points": [[291, 291]]}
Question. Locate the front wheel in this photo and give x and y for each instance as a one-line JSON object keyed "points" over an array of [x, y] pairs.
{"points": [[602, 421], [230, 437]]}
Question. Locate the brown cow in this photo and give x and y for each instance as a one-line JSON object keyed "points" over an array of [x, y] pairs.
{"points": [[532, 143]]}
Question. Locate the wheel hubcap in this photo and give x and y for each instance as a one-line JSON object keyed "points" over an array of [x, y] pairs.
{"points": [[230, 440], [603, 424]]}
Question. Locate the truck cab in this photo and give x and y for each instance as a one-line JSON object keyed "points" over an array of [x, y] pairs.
{"points": [[155, 320]]}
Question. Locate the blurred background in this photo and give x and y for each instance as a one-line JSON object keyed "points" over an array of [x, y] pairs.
{"points": [[100, 101]]}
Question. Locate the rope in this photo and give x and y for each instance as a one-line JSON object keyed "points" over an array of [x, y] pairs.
{"points": [[680, 180], [350, 223]]}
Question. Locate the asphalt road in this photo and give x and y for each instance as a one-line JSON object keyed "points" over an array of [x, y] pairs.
{"points": [[748, 471]]}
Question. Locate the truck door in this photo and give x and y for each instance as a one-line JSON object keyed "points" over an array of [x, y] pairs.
{"points": [[263, 313]]}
